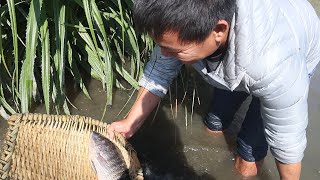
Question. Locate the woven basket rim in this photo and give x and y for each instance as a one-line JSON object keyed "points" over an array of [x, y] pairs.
{"points": [[84, 123]]}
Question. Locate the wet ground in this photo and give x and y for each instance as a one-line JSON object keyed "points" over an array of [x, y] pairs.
{"points": [[173, 144]]}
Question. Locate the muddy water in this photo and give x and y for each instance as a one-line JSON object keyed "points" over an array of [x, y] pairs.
{"points": [[173, 144]]}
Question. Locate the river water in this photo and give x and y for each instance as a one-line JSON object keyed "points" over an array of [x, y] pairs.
{"points": [[173, 143]]}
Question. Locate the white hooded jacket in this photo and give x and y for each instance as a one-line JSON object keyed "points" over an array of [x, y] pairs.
{"points": [[274, 46]]}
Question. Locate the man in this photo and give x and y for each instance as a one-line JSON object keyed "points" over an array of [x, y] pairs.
{"points": [[266, 48]]}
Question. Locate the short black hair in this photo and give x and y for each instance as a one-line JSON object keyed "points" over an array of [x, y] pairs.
{"points": [[194, 20]]}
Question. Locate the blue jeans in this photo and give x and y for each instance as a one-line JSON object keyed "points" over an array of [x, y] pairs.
{"points": [[251, 142]]}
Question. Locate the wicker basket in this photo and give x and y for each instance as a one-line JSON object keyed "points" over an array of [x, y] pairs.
{"points": [[56, 147]]}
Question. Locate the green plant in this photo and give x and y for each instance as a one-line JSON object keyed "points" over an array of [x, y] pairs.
{"points": [[42, 39]]}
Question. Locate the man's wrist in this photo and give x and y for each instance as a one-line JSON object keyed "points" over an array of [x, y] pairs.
{"points": [[134, 123]]}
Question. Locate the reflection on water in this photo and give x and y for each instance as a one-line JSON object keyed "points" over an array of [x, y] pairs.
{"points": [[180, 147]]}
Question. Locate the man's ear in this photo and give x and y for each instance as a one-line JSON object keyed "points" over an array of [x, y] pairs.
{"points": [[221, 31]]}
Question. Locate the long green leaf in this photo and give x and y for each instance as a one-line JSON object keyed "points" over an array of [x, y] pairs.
{"points": [[3, 10], [75, 71], [26, 77], [129, 31], [107, 52], [6, 105], [123, 73], [126, 76], [13, 21], [2, 60], [93, 57], [87, 10], [1, 47], [95, 63], [122, 23], [105, 44], [59, 10], [15, 74], [45, 62]]}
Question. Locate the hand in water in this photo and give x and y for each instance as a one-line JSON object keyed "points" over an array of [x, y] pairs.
{"points": [[125, 127]]}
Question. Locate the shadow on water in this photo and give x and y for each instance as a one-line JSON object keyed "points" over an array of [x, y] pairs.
{"points": [[161, 150]]}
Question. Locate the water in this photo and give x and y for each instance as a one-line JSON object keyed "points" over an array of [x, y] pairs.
{"points": [[173, 146]]}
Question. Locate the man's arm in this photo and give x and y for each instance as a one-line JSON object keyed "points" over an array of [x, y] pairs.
{"points": [[283, 94], [157, 77]]}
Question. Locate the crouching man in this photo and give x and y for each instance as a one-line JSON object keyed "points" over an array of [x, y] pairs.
{"points": [[264, 48]]}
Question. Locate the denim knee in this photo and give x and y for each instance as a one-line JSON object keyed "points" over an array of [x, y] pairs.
{"points": [[213, 122], [222, 109]]}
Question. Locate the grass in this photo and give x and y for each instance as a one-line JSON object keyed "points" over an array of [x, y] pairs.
{"points": [[42, 40]]}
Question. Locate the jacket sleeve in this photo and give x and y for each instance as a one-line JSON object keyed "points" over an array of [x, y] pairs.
{"points": [[159, 73], [283, 96]]}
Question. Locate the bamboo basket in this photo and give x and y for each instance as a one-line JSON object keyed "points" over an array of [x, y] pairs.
{"points": [[56, 147]]}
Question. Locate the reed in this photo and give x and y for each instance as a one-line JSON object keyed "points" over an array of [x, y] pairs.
{"points": [[42, 40]]}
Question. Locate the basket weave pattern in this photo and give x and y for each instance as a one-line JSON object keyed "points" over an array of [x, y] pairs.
{"points": [[56, 147]]}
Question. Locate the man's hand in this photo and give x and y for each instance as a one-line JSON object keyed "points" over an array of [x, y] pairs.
{"points": [[141, 109], [125, 127]]}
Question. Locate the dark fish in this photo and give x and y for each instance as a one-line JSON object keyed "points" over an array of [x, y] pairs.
{"points": [[106, 158]]}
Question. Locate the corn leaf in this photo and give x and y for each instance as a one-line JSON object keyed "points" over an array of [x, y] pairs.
{"points": [[107, 55], [59, 55], [94, 34], [75, 71], [87, 10], [96, 63], [12, 13], [45, 60], [26, 76], [1, 47]]}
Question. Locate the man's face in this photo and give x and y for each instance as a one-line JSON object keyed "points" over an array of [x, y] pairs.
{"points": [[189, 52]]}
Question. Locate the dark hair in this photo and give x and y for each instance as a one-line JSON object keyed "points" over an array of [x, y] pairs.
{"points": [[194, 20]]}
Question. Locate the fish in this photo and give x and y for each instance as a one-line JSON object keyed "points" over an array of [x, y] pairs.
{"points": [[106, 158]]}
